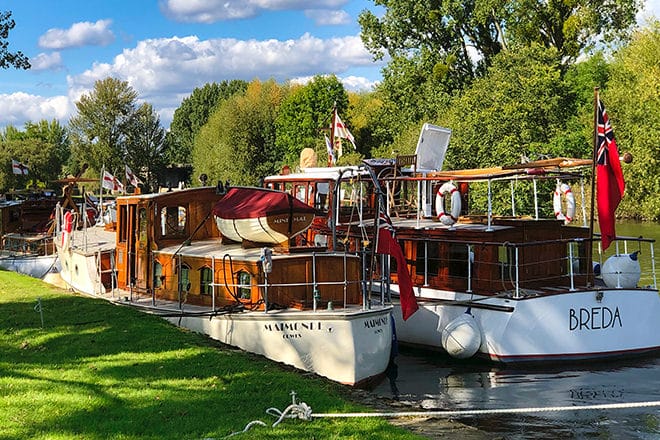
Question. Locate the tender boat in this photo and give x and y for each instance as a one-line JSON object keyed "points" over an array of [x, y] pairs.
{"points": [[27, 236], [303, 306]]}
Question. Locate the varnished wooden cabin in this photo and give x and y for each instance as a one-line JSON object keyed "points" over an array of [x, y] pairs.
{"points": [[475, 254], [168, 247]]}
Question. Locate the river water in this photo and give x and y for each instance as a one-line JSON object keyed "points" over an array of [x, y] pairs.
{"points": [[435, 382]]}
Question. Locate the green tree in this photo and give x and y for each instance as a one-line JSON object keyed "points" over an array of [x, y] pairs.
{"points": [[437, 48], [632, 100], [146, 144], [238, 142], [42, 146], [193, 113], [305, 112], [103, 125], [10, 59]]}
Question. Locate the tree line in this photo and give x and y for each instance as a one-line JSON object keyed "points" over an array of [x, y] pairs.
{"points": [[512, 81]]}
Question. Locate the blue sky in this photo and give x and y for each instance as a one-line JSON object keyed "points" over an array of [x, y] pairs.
{"points": [[166, 48]]}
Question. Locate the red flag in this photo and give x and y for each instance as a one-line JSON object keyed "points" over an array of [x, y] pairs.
{"points": [[388, 245], [609, 177]]}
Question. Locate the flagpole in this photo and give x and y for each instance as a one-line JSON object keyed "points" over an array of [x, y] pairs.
{"points": [[593, 176], [101, 193], [333, 121]]}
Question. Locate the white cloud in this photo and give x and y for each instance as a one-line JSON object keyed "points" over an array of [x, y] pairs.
{"points": [[165, 70], [46, 61], [352, 83], [163, 66], [210, 11], [327, 17], [79, 34], [21, 107]]}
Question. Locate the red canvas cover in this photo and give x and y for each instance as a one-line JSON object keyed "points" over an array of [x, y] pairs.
{"points": [[245, 203]]}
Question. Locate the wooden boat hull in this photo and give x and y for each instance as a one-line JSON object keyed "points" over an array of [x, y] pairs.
{"points": [[576, 326], [350, 346], [261, 215]]}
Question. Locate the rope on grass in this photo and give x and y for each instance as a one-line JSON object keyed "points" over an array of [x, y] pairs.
{"points": [[294, 411]]}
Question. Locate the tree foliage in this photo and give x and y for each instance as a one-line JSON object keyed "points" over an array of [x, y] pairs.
{"points": [[237, 144], [193, 113], [42, 146], [146, 144], [632, 99], [7, 58], [437, 48], [103, 125], [305, 113]]}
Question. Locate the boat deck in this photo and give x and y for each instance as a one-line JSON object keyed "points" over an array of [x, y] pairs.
{"points": [[93, 240]]}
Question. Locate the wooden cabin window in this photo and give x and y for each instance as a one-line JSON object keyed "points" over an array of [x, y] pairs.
{"points": [[205, 281], [173, 221], [506, 261], [321, 198], [158, 273], [244, 289], [458, 260], [142, 225], [184, 278], [123, 223], [427, 258]]}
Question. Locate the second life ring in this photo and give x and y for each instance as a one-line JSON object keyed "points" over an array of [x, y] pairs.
{"points": [[565, 191], [455, 211], [67, 227]]}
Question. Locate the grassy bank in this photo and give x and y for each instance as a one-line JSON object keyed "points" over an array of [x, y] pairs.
{"points": [[100, 371]]}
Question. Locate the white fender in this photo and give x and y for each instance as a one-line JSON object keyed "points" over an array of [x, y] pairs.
{"points": [[451, 217], [461, 338], [67, 227], [564, 190], [621, 271]]}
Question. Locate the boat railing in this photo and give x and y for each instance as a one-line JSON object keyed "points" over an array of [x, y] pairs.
{"points": [[266, 266], [523, 269]]}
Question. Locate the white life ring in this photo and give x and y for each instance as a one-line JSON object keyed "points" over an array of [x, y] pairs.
{"points": [[564, 190], [451, 217], [67, 227]]}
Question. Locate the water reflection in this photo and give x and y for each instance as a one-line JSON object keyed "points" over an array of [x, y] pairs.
{"points": [[436, 382]]}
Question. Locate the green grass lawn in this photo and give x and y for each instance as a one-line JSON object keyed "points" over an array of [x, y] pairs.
{"points": [[100, 371]]}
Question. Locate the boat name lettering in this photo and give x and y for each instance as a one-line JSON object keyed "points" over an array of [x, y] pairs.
{"points": [[595, 318], [292, 326], [376, 322]]}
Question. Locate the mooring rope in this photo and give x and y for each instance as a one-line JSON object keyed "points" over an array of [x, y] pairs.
{"points": [[304, 412]]}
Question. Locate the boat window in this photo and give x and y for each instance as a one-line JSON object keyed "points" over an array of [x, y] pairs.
{"points": [[301, 192], [244, 289], [427, 258], [142, 225], [173, 221], [458, 257], [321, 192], [123, 222], [184, 278], [205, 281], [505, 259], [158, 273]]}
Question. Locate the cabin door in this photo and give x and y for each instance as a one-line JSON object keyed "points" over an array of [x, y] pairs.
{"points": [[141, 263]]}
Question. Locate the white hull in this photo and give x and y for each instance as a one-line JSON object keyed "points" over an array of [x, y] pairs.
{"points": [[79, 261], [568, 326], [350, 347], [35, 266]]}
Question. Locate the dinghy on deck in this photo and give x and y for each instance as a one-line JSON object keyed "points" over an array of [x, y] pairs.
{"points": [[261, 215]]}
